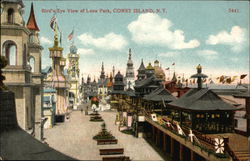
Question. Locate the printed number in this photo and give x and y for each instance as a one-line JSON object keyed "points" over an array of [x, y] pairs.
{"points": [[233, 10]]}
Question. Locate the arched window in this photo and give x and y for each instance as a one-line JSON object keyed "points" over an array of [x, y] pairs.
{"points": [[32, 63], [10, 17], [10, 52]]}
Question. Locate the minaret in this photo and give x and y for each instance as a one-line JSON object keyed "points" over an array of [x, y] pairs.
{"points": [[59, 81], [130, 76], [113, 73], [35, 50], [199, 76], [102, 76]]}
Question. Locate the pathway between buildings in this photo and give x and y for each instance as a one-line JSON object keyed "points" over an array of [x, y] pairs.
{"points": [[74, 138]]}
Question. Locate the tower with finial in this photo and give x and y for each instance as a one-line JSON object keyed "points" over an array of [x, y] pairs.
{"points": [[199, 75], [73, 72], [57, 79], [130, 76], [102, 76], [21, 48]]}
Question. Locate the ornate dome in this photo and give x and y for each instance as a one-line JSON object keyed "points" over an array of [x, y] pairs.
{"points": [[159, 73], [73, 49], [150, 67]]}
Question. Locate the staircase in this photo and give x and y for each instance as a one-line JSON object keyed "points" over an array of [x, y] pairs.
{"points": [[242, 155]]}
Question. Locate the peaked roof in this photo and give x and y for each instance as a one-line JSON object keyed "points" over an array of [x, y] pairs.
{"points": [[47, 69], [160, 94], [201, 100], [142, 67], [31, 24]]}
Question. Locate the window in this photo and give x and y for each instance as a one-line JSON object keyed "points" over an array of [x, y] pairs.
{"points": [[32, 63], [10, 52], [10, 17]]}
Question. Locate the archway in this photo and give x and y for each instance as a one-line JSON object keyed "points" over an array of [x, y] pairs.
{"points": [[10, 52]]}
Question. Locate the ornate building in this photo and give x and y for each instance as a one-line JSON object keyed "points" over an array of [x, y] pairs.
{"points": [[118, 85], [130, 76], [159, 72], [89, 89], [141, 71], [73, 73], [102, 84], [56, 79], [20, 45]]}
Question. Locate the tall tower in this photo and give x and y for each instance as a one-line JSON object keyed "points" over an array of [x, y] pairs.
{"points": [[102, 76], [57, 79], [73, 72], [34, 59], [20, 45], [130, 75]]}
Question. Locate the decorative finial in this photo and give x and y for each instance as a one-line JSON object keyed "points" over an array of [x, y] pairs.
{"points": [[199, 68]]}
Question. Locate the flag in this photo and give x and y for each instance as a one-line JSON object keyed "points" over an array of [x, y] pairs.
{"points": [[229, 80], [71, 35], [167, 68], [233, 78], [221, 78], [243, 76], [52, 22], [173, 64]]}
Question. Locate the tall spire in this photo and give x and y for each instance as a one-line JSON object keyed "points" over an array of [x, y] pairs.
{"points": [[129, 57], [31, 24], [102, 76]]}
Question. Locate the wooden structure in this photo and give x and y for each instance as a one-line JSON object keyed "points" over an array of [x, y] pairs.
{"points": [[111, 151], [202, 110]]}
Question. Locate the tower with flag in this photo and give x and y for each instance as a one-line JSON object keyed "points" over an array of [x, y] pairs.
{"points": [[73, 72], [57, 79]]}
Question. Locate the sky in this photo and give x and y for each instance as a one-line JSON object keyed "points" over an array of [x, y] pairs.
{"points": [[214, 34]]}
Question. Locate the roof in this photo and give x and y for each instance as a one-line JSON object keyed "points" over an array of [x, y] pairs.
{"points": [[14, 1], [145, 82], [150, 67], [47, 70], [130, 92], [201, 100], [160, 94], [16, 144], [243, 95], [118, 75], [31, 24], [118, 92], [142, 67]]}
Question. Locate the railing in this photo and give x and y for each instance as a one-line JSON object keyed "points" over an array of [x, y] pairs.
{"points": [[231, 153]]}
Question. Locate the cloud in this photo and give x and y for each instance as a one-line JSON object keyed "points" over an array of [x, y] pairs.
{"points": [[84, 51], [45, 40], [235, 38], [169, 54], [208, 54], [151, 29], [110, 41]]}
